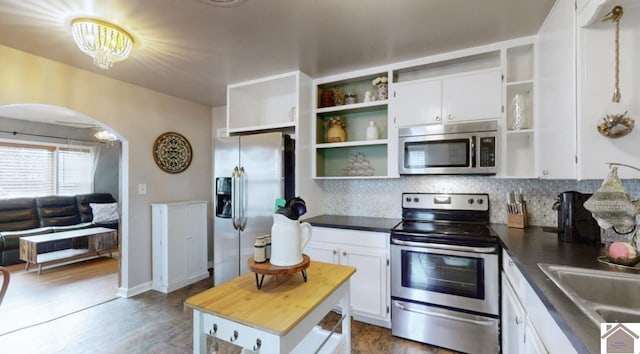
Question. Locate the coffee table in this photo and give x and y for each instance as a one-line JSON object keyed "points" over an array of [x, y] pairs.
{"points": [[99, 239]]}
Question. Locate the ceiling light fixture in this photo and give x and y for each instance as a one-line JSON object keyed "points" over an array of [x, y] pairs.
{"points": [[105, 135], [105, 42], [222, 3]]}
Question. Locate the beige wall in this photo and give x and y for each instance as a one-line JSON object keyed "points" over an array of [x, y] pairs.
{"points": [[138, 115]]}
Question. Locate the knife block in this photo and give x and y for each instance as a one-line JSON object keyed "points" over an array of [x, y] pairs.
{"points": [[518, 221]]}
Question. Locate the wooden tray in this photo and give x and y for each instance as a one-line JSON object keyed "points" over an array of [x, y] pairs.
{"points": [[266, 268]]}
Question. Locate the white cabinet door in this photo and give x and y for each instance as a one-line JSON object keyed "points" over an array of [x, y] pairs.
{"points": [[176, 245], [417, 102], [513, 320], [368, 252], [533, 342], [472, 96], [556, 117], [322, 252], [368, 284], [196, 238], [179, 244]]}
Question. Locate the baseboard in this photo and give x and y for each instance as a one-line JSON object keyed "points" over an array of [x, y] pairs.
{"points": [[138, 289]]}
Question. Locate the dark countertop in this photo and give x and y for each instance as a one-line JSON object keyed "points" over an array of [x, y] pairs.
{"points": [[354, 222], [527, 247]]}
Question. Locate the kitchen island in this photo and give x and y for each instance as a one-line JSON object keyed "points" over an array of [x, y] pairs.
{"points": [[278, 318]]}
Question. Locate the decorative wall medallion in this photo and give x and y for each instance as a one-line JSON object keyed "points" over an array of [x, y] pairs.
{"points": [[172, 152]]}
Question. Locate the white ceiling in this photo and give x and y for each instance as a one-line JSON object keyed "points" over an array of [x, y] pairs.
{"points": [[193, 50]]}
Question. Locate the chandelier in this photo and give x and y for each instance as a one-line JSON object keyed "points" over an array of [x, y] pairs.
{"points": [[106, 43], [105, 135]]}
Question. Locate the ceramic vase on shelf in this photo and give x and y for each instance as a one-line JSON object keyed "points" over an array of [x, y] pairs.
{"points": [[382, 91], [372, 131], [336, 134], [335, 130]]}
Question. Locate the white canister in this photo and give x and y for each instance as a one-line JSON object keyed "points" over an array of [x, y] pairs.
{"points": [[267, 240], [260, 250], [372, 131]]}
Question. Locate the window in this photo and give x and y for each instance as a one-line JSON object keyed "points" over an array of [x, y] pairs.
{"points": [[33, 169]]}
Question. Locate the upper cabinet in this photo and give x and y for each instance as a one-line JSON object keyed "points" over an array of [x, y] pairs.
{"points": [[556, 98], [268, 103], [417, 102], [351, 132], [457, 90], [472, 96], [280, 102]]}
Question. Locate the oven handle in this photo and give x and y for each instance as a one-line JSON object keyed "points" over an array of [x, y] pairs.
{"points": [[401, 306], [395, 241]]}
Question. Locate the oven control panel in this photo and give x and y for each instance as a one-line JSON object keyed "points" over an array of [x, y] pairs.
{"points": [[479, 202]]}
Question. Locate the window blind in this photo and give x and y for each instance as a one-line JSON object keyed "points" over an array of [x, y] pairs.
{"points": [[31, 170]]}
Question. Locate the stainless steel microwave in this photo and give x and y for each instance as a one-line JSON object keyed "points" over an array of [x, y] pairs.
{"points": [[464, 148]]}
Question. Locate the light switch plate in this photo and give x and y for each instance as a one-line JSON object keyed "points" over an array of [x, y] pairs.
{"points": [[142, 188]]}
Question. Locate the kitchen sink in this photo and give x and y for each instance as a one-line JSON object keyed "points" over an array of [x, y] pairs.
{"points": [[604, 296]]}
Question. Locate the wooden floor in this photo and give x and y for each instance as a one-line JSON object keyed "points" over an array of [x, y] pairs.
{"points": [[152, 322], [32, 299]]}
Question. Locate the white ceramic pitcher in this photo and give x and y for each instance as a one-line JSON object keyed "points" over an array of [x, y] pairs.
{"points": [[288, 239]]}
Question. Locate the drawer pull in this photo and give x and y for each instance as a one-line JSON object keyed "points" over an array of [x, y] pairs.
{"points": [[518, 320], [258, 345], [235, 336]]}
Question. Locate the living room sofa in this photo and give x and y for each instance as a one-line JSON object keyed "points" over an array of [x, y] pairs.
{"points": [[20, 217]]}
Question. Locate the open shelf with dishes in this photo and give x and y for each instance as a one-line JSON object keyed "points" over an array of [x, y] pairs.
{"points": [[351, 127]]}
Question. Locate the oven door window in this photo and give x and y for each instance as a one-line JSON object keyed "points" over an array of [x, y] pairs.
{"points": [[454, 275], [437, 153]]}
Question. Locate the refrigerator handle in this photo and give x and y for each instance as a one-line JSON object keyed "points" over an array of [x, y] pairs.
{"points": [[234, 197], [243, 185]]}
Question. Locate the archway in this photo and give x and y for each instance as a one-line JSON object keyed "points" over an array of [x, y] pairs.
{"points": [[37, 119]]}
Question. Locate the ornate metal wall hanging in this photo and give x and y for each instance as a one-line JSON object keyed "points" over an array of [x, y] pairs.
{"points": [[172, 152]]}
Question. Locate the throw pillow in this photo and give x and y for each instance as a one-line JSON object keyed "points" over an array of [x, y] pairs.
{"points": [[104, 212]]}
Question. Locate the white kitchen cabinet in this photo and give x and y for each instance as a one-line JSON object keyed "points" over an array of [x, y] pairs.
{"points": [[527, 325], [450, 99], [556, 95], [513, 320], [279, 103], [368, 252], [417, 102], [472, 96], [533, 343], [179, 244], [266, 103]]}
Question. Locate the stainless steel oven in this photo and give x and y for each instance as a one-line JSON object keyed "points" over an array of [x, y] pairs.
{"points": [[444, 272], [465, 148], [455, 276]]}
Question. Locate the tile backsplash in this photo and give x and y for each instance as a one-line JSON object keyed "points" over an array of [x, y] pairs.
{"points": [[382, 197]]}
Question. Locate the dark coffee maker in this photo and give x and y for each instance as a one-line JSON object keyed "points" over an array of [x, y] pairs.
{"points": [[575, 223]]}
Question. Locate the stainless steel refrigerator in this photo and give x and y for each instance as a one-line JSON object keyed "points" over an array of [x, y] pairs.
{"points": [[251, 172]]}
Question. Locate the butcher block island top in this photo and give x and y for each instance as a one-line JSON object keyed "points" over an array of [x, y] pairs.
{"points": [[281, 303]]}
